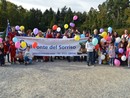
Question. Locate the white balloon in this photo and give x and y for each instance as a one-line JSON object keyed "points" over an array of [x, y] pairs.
{"points": [[118, 39], [64, 37], [58, 29], [123, 58], [102, 57], [103, 40]]}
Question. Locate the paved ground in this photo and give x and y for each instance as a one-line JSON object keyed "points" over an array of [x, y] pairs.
{"points": [[64, 80]]}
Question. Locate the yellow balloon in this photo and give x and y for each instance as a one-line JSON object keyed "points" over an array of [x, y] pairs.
{"points": [[104, 34], [22, 28], [66, 26], [23, 44], [77, 38]]}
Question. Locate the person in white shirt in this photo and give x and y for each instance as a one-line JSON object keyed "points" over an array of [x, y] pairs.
{"points": [[28, 56], [90, 51], [125, 35]]}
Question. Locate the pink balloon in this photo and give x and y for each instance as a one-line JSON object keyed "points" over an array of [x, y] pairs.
{"points": [[108, 38], [1, 40], [17, 44], [117, 62], [75, 17]]}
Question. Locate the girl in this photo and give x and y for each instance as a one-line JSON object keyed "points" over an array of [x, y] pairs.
{"points": [[111, 54], [90, 49]]}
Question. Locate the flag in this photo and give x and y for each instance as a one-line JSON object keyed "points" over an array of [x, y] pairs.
{"points": [[8, 29]]}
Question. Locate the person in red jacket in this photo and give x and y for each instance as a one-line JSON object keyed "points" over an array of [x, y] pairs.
{"points": [[12, 34], [6, 48], [49, 34], [12, 52]]}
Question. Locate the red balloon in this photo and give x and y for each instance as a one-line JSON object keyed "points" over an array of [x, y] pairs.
{"points": [[55, 27], [34, 45]]}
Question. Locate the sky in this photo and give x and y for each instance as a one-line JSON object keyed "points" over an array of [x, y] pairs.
{"points": [[75, 5]]}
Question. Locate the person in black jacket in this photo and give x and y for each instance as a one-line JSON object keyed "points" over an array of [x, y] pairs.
{"points": [[2, 61]]}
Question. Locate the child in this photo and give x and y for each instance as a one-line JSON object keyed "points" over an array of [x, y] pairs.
{"points": [[19, 57], [2, 61], [28, 56], [90, 49], [111, 54], [128, 54], [12, 52]]}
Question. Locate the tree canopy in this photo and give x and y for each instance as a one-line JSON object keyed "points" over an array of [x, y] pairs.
{"points": [[114, 13]]}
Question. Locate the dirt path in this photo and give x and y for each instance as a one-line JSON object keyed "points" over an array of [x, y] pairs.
{"points": [[64, 80]]}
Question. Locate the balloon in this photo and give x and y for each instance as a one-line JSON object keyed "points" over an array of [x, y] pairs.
{"points": [[102, 57], [64, 37], [117, 62], [34, 45], [1, 40], [95, 41], [103, 40], [123, 58], [101, 30], [108, 38], [118, 39], [17, 44], [17, 27], [104, 34], [77, 37], [72, 24], [121, 50], [55, 27], [82, 35], [58, 29], [23, 44], [75, 17], [15, 39], [66, 26], [22, 28], [35, 31], [110, 29]]}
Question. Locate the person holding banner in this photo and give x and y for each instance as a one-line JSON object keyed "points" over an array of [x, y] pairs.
{"points": [[40, 35], [48, 35]]}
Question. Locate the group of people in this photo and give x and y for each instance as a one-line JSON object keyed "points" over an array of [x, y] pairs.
{"points": [[107, 48]]}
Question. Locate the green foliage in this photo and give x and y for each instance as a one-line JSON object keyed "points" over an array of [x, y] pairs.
{"points": [[114, 13]]}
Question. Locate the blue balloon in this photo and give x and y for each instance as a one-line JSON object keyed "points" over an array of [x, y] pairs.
{"points": [[110, 29], [15, 40], [95, 41], [82, 36]]}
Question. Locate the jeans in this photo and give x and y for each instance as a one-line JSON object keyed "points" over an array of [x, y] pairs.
{"points": [[26, 59], [90, 58], [7, 56], [111, 61]]}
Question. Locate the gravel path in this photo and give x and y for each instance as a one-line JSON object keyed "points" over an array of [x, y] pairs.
{"points": [[64, 80]]}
